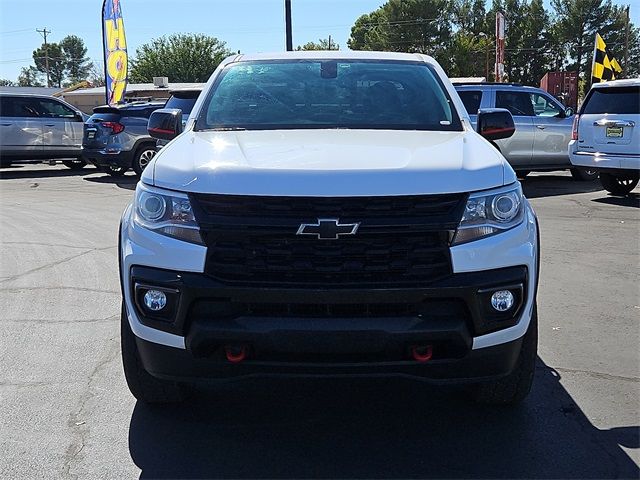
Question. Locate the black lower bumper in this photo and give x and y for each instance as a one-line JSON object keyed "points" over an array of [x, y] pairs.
{"points": [[329, 331], [476, 365], [124, 158]]}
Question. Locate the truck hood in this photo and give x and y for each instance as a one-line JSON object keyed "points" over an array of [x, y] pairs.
{"points": [[328, 163]]}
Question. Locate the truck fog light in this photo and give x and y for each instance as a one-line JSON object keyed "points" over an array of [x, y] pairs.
{"points": [[155, 300], [502, 300]]}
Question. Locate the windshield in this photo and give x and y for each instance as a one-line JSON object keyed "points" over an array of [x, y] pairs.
{"points": [[295, 94]]}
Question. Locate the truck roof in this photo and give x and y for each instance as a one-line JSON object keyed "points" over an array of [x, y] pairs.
{"points": [[627, 82], [335, 54]]}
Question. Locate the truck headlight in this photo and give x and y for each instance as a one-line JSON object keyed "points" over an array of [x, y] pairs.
{"points": [[490, 212], [165, 212]]}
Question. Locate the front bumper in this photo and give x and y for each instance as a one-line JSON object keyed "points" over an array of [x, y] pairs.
{"points": [[108, 158], [467, 344], [313, 331]]}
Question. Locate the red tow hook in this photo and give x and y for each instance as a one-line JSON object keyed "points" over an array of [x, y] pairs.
{"points": [[236, 354], [422, 353]]}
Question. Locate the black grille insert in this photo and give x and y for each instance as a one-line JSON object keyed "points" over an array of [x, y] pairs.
{"points": [[401, 240]]}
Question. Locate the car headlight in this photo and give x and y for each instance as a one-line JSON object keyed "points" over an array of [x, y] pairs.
{"points": [[165, 212], [490, 212]]}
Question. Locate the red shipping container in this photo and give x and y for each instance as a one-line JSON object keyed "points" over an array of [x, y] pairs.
{"points": [[563, 86]]}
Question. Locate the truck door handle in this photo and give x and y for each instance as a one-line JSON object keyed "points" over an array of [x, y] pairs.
{"points": [[6, 124], [541, 127], [49, 124]]}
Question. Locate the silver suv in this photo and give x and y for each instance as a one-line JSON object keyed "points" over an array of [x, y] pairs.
{"points": [[543, 126], [39, 127], [606, 134]]}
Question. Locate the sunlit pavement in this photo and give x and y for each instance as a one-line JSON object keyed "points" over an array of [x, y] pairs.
{"points": [[65, 410]]}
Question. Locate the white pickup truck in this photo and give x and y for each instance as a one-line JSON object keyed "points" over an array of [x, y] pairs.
{"points": [[329, 213]]}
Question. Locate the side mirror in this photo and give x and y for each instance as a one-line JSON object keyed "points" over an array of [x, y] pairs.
{"points": [[79, 117], [495, 123], [165, 124], [568, 112]]}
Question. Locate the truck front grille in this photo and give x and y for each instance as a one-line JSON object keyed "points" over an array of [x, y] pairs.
{"points": [[400, 241]]}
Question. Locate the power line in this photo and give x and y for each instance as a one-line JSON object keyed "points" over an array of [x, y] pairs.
{"points": [[10, 32]]}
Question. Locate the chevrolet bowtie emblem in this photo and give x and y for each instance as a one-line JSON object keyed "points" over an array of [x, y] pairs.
{"points": [[328, 229]]}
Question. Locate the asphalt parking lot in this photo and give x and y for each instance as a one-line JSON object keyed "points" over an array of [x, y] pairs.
{"points": [[65, 411]]}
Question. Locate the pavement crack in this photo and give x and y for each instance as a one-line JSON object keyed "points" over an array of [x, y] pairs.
{"points": [[76, 289], [59, 322], [78, 420], [43, 244], [24, 384], [53, 264], [602, 375]]}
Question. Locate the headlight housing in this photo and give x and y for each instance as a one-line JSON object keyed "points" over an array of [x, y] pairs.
{"points": [[490, 212], [165, 212]]}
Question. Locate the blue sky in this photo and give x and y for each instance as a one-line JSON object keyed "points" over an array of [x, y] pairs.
{"points": [[246, 25]]}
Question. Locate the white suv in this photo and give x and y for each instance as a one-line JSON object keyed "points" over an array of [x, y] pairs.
{"points": [[606, 134], [329, 213]]}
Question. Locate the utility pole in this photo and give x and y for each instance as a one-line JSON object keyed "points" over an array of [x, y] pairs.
{"points": [[44, 33], [626, 44], [287, 24], [329, 42]]}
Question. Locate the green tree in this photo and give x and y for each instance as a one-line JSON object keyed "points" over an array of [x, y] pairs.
{"points": [[577, 22], [370, 32], [57, 62], [6, 83], [470, 55], [181, 57], [537, 43], [470, 16], [417, 26], [322, 44], [77, 65], [632, 68], [30, 77]]}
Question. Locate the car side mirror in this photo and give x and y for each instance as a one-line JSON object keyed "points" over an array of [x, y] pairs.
{"points": [[495, 123], [79, 117], [568, 112], [165, 124]]}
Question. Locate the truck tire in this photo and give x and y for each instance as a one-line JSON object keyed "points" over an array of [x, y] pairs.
{"points": [[618, 185], [77, 164], [515, 387], [584, 174], [142, 384], [143, 156]]}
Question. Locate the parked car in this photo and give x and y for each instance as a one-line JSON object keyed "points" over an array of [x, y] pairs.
{"points": [[116, 138], [183, 99], [40, 127], [543, 126], [606, 134], [329, 213]]}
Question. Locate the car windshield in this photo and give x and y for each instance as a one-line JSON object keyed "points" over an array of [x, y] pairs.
{"points": [[296, 94]]}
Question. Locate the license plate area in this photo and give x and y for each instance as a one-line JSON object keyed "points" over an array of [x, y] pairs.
{"points": [[91, 134], [615, 132]]}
